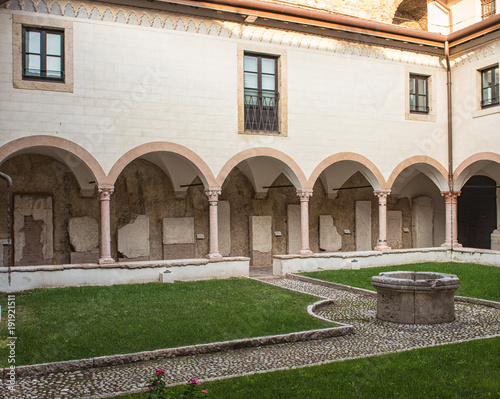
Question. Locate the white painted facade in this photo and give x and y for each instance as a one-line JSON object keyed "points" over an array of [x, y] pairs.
{"points": [[167, 88]]}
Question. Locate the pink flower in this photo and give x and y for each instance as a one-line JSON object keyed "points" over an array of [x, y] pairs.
{"points": [[150, 387], [194, 381], [204, 391], [159, 371]]}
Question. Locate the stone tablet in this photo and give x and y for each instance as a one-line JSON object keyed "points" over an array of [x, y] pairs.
{"points": [[363, 226], [329, 238], [178, 231], [83, 233], [422, 215], [133, 239], [294, 239], [33, 230], [261, 241], [224, 223], [395, 229]]}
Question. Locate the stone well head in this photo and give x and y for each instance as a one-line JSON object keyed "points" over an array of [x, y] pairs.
{"points": [[415, 297]]}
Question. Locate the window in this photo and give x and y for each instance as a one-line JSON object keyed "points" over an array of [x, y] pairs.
{"points": [[42, 48], [489, 87], [43, 56], [419, 98], [488, 8], [261, 93]]}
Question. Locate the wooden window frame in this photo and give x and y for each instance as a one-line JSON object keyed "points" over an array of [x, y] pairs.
{"points": [[259, 110], [43, 53], [417, 94], [494, 88]]}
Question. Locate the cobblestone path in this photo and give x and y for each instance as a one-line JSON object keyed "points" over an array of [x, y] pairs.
{"points": [[372, 337]]}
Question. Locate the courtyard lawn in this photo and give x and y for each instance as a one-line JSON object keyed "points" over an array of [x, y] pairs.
{"points": [[467, 370], [476, 281], [456, 371], [82, 322]]}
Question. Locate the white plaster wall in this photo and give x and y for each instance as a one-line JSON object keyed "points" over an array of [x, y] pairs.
{"points": [[465, 12], [438, 20], [135, 85], [473, 127]]}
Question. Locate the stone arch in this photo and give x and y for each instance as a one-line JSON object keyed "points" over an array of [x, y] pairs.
{"points": [[364, 165], [289, 167], [411, 14], [155, 152], [84, 166], [476, 163], [424, 164]]}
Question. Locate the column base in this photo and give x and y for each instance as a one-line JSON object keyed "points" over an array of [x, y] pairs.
{"points": [[382, 248], [215, 256], [305, 252], [448, 244], [106, 261]]}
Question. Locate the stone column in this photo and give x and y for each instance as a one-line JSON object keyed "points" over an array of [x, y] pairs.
{"points": [[213, 198], [382, 220], [451, 240], [104, 196], [304, 221]]}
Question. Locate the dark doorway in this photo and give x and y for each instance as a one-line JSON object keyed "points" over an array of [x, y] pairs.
{"points": [[477, 212]]}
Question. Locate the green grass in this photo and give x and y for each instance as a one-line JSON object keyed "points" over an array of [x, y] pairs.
{"points": [[469, 370], [476, 281], [81, 322]]}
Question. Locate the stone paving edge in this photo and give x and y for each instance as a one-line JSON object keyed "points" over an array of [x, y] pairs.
{"points": [[113, 360]]}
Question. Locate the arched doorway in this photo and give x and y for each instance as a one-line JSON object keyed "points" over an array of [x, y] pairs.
{"points": [[477, 212]]}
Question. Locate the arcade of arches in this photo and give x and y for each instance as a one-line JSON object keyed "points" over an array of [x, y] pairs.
{"points": [[160, 207]]}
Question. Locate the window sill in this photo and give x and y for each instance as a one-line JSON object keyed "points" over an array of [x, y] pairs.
{"points": [[261, 133], [420, 117], [492, 109]]}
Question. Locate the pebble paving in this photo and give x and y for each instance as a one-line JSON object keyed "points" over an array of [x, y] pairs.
{"points": [[371, 337]]}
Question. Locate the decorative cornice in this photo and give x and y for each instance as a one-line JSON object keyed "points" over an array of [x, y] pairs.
{"points": [[167, 20], [468, 56]]}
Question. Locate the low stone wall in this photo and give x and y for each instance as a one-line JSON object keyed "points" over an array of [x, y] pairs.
{"points": [[284, 264], [479, 256], [30, 277]]}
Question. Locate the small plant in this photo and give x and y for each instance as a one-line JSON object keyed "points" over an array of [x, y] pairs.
{"points": [[158, 389]]}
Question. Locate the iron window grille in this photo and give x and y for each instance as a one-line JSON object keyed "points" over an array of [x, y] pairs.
{"points": [[261, 102], [489, 87], [419, 94], [488, 8], [43, 54]]}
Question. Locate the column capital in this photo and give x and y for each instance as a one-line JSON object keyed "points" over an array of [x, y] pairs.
{"points": [[381, 194], [451, 194], [304, 194], [213, 194], [105, 192]]}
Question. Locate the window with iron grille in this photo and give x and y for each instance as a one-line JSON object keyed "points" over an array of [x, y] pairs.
{"points": [[261, 93], [419, 94], [488, 8], [489, 87], [43, 54]]}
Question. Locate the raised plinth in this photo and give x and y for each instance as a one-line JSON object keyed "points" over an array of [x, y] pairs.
{"points": [[415, 297]]}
